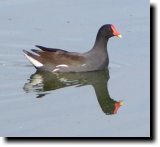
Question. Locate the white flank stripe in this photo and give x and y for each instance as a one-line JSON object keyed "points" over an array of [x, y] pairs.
{"points": [[62, 65], [83, 65], [33, 61], [55, 70]]}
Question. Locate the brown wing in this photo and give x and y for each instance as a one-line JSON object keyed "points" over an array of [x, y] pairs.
{"points": [[61, 57]]}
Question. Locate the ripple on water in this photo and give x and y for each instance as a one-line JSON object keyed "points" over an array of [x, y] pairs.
{"points": [[117, 69]]}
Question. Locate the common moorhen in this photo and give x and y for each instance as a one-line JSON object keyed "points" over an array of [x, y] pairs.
{"points": [[58, 60]]}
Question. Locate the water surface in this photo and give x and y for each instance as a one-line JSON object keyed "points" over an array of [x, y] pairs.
{"points": [[82, 104]]}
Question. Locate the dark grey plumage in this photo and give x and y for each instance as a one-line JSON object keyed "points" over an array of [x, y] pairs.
{"points": [[58, 60]]}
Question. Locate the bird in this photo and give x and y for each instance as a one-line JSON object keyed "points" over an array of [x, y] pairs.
{"points": [[58, 60]]}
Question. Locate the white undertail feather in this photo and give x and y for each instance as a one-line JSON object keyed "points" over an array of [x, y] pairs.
{"points": [[33, 61]]}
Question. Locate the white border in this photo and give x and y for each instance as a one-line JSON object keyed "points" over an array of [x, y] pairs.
{"points": [[141, 144]]}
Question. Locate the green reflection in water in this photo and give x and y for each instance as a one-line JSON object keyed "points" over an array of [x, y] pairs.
{"points": [[41, 82]]}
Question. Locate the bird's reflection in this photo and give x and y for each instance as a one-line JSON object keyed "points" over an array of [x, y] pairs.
{"points": [[41, 82]]}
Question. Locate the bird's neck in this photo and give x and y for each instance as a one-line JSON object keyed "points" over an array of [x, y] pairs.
{"points": [[100, 42]]}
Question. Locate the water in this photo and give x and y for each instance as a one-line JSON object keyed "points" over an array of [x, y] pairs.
{"points": [[82, 104]]}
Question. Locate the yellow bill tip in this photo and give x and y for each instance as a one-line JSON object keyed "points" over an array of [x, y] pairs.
{"points": [[121, 102], [119, 36]]}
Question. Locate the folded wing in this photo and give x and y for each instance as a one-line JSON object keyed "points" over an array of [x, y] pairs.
{"points": [[54, 57]]}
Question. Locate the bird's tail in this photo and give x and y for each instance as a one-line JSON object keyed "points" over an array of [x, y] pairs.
{"points": [[34, 59]]}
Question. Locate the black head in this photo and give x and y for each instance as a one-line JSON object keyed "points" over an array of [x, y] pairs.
{"points": [[108, 31]]}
